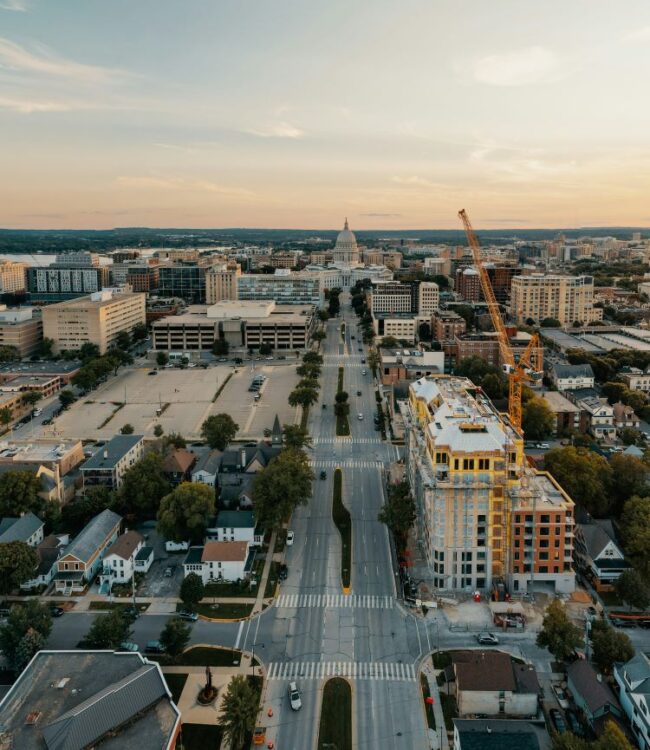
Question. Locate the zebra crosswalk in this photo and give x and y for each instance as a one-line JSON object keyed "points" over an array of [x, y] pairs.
{"points": [[351, 463], [366, 440], [355, 670], [360, 601]]}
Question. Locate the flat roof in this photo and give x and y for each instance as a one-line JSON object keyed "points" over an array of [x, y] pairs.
{"points": [[57, 368], [88, 301], [36, 450]]}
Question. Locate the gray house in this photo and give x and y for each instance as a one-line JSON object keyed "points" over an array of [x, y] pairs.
{"points": [[592, 695], [28, 528]]}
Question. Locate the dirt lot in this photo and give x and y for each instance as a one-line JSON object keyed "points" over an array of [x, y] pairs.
{"points": [[134, 396]]}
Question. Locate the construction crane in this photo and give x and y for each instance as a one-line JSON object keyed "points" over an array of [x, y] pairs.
{"points": [[518, 370]]}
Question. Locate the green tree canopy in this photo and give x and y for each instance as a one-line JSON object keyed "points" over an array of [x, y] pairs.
{"points": [[218, 430], [67, 398], [139, 332], [538, 421], [398, 513], [143, 487], [123, 339], [175, 636], [584, 475], [76, 514], [220, 347], [304, 396], [609, 646], [295, 436], [127, 429], [161, 359], [184, 513], [192, 591], [108, 631], [633, 589], [18, 563], [628, 479], [282, 486], [313, 358], [550, 323], [558, 634], [239, 711], [635, 525], [17, 639], [19, 493]]}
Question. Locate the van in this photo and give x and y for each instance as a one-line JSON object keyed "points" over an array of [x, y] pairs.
{"points": [[171, 546]]}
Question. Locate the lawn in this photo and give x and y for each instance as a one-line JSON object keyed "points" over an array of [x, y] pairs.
{"points": [[272, 580], [426, 693], [222, 611], [336, 715], [201, 736], [205, 656], [108, 606], [343, 522], [227, 589], [176, 683]]}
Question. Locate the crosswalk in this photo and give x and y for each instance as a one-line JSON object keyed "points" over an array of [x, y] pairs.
{"points": [[366, 440], [347, 464], [355, 670], [313, 601]]}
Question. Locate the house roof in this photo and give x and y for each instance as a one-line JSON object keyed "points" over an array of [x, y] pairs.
{"points": [[233, 519], [224, 552], [240, 458], [483, 670], [19, 529], [144, 553], [178, 461], [92, 535], [125, 545], [497, 734], [572, 371], [638, 671], [112, 453], [47, 556], [83, 699], [209, 463], [595, 693], [633, 450], [596, 536], [526, 678], [622, 411], [193, 556]]}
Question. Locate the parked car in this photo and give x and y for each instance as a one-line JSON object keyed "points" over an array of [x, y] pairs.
{"points": [[294, 697], [364, 372], [358, 393], [152, 372], [191, 616], [290, 536], [154, 647], [283, 572], [487, 639], [168, 572], [38, 412], [56, 611], [128, 646], [47, 421], [562, 697], [363, 362], [131, 613], [574, 724], [359, 416], [558, 721], [323, 474]]}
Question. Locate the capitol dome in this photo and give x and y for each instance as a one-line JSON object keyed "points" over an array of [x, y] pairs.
{"points": [[346, 250]]}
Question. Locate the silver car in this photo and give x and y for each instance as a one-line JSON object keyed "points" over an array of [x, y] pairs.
{"points": [[294, 697]]}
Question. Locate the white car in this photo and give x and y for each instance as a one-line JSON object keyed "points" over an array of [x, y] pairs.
{"points": [[562, 697], [191, 364], [294, 696], [289, 538], [487, 639], [363, 372], [359, 416]]}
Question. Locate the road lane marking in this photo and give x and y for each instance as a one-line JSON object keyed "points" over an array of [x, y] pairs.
{"points": [[241, 627], [384, 671], [334, 601]]}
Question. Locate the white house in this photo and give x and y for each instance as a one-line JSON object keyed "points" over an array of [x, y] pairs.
{"points": [[572, 377], [597, 554], [598, 416], [635, 379], [119, 562], [206, 469], [27, 528], [234, 526], [227, 561], [48, 551], [633, 680]]}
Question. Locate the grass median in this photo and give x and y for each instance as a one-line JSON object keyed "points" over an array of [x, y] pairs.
{"points": [[335, 728], [343, 522], [342, 422]]}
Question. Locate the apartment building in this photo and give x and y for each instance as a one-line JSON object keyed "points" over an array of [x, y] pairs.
{"points": [[221, 282], [486, 346], [466, 466], [468, 284], [392, 260], [96, 319], [141, 276], [282, 287], [635, 379], [21, 328], [565, 298], [428, 298], [437, 266], [109, 464], [277, 260], [13, 277], [447, 325]]}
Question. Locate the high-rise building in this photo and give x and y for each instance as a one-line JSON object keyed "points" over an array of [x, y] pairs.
{"points": [[221, 282], [468, 284], [564, 298], [428, 298], [21, 328], [283, 287], [186, 281], [484, 514], [13, 277]]}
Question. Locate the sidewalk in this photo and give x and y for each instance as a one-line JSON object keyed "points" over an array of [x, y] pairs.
{"points": [[439, 738]]}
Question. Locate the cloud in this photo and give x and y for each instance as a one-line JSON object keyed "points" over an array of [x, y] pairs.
{"points": [[279, 130], [42, 60], [20, 6], [518, 68], [27, 106], [181, 184], [638, 35]]}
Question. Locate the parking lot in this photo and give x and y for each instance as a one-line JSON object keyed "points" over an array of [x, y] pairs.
{"points": [[184, 398]]}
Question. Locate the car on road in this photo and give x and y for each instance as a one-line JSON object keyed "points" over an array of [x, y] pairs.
{"points": [[363, 362], [617, 623], [558, 721], [544, 446], [128, 646], [37, 412], [359, 416], [358, 393], [294, 697], [283, 572], [47, 421], [169, 572], [562, 697], [290, 536], [56, 611], [152, 372], [323, 474], [191, 616], [191, 364], [154, 647], [487, 639], [364, 372]]}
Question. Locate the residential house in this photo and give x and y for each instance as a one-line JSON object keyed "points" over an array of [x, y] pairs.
{"points": [[54, 486], [635, 379], [597, 554], [570, 377], [498, 734], [624, 416], [633, 680], [82, 699], [489, 682], [48, 551], [227, 561], [238, 468], [108, 466], [566, 413], [591, 695], [83, 557], [206, 469], [119, 561], [596, 415], [177, 465], [234, 526], [27, 528]]}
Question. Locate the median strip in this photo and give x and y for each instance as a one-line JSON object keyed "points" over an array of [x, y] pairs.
{"points": [[343, 522], [335, 729], [341, 408]]}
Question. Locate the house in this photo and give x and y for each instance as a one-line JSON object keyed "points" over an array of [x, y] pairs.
{"points": [[177, 465], [633, 450], [591, 695], [27, 528], [48, 551], [498, 734], [228, 561], [108, 466], [570, 377], [633, 680], [565, 412], [635, 379], [234, 526], [624, 416], [597, 554], [489, 682], [54, 486], [83, 557], [119, 562], [249, 458], [81, 699], [207, 467], [596, 415]]}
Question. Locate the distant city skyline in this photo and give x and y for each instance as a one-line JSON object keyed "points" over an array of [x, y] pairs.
{"points": [[294, 115]]}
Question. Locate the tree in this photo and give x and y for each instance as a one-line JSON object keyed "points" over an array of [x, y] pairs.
{"points": [[143, 487], [67, 398], [613, 738], [88, 351], [18, 562], [175, 439], [218, 430], [584, 475], [139, 332], [19, 493], [493, 385], [373, 361], [239, 711], [631, 436], [311, 372], [158, 430], [127, 429], [389, 342], [282, 486], [323, 315], [220, 347], [550, 323], [192, 591], [558, 634], [609, 646], [45, 348], [538, 420], [304, 396], [632, 588], [123, 340], [628, 479], [17, 637], [319, 335], [108, 631], [635, 525], [399, 511], [175, 636], [76, 514], [184, 513], [614, 392], [313, 358], [9, 354], [6, 415], [161, 359], [32, 397], [569, 741], [295, 436]]}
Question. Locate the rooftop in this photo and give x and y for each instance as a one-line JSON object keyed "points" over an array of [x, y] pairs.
{"points": [[113, 452], [233, 519], [483, 670], [559, 403], [92, 535], [125, 545], [225, 552], [498, 734], [43, 451], [19, 529], [96, 300], [590, 685]]}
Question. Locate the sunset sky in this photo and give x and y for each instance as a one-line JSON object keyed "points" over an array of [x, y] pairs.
{"points": [[295, 113]]}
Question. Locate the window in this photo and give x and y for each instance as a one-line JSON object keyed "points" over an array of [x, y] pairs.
{"points": [[484, 464], [468, 464], [545, 519]]}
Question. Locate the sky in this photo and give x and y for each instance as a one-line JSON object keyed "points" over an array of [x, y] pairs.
{"points": [[296, 113]]}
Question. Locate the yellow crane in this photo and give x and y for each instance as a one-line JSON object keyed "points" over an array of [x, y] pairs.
{"points": [[518, 370]]}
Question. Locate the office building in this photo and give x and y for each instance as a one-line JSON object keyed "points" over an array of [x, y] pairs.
{"points": [[408, 364], [283, 287], [221, 282], [567, 299], [21, 328], [58, 283], [13, 277], [428, 298], [186, 281], [484, 515], [96, 319], [417, 297], [141, 276], [437, 266], [80, 259]]}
